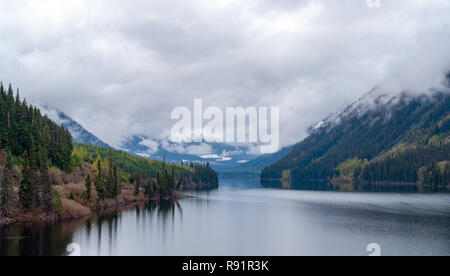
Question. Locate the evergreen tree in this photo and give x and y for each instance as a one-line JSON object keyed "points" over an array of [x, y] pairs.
{"points": [[109, 180], [88, 186], [25, 188], [99, 184], [6, 188], [35, 183], [137, 184], [173, 183], [180, 182], [147, 189], [44, 183], [115, 182]]}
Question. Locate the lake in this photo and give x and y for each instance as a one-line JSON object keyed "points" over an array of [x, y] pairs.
{"points": [[243, 218]]}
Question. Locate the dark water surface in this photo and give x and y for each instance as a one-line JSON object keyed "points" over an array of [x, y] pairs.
{"points": [[242, 218]]}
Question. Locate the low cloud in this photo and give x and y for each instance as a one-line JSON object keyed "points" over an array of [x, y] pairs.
{"points": [[119, 67], [152, 145]]}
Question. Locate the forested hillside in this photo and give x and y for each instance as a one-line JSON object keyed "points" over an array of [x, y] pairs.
{"points": [[34, 143], [44, 176], [194, 175], [378, 140], [23, 129]]}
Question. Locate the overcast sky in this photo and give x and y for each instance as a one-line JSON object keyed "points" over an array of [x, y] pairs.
{"points": [[119, 67]]}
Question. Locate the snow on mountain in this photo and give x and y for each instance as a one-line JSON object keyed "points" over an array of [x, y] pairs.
{"points": [[219, 155]]}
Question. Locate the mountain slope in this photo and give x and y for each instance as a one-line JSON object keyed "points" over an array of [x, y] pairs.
{"points": [[372, 129], [25, 132], [254, 167], [79, 133]]}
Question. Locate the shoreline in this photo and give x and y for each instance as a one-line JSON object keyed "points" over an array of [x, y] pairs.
{"points": [[27, 218]]}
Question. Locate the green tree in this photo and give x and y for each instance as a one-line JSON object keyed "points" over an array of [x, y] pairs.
{"points": [[99, 184], [147, 189], [88, 186], [25, 188], [6, 189], [110, 180], [35, 183], [115, 183], [180, 182], [44, 183], [137, 184]]}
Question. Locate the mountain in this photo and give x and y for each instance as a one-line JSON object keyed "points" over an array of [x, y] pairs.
{"points": [[361, 143], [255, 166], [79, 133], [221, 156]]}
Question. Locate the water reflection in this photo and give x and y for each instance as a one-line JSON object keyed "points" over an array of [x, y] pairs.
{"points": [[52, 239], [35, 239], [304, 186], [343, 187], [242, 218]]}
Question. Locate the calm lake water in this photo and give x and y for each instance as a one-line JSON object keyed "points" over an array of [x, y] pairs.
{"points": [[242, 218]]}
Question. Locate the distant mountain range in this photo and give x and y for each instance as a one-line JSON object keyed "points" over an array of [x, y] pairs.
{"points": [[79, 133], [222, 157]]}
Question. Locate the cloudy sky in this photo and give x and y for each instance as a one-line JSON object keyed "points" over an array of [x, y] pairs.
{"points": [[119, 67]]}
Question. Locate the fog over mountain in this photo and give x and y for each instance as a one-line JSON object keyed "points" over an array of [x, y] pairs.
{"points": [[78, 132], [119, 67]]}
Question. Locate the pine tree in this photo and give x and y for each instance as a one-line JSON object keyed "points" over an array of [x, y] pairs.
{"points": [[35, 183], [25, 188], [99, 185], [88, 186], [445, 179], [6, 189], [115, 183], [44, 183], [147, 189], [137, 184], [173, 184], [180, 182], [110, 180], [119, 185]]}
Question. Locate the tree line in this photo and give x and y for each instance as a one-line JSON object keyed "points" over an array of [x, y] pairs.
{"points": [[153, 176], [24, 129], [164, 183], [31, 140], [426, 165]]}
